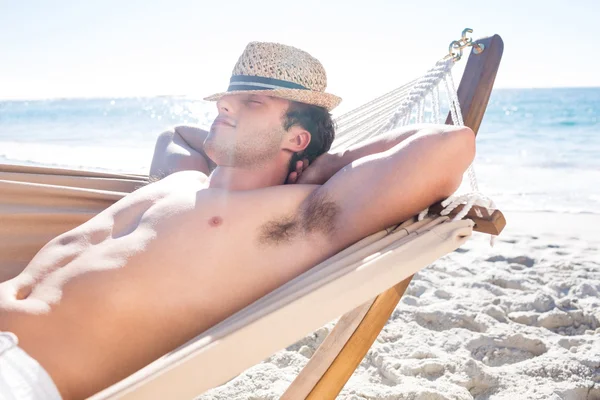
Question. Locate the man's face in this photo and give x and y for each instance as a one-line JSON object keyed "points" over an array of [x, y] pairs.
{"points": [[248, 130]]}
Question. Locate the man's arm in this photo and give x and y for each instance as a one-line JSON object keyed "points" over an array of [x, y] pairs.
{"points": [[328, 164], [389, 180], [179, 149]]}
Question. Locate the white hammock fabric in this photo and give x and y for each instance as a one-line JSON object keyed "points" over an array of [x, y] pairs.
{"points": [[416, 102]]}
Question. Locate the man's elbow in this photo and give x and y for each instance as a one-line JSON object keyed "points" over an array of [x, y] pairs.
{"points": [[464, 139], [163, 141], [461, 146]]}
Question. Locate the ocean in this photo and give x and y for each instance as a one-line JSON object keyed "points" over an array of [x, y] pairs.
{"points": [[538, 149]]}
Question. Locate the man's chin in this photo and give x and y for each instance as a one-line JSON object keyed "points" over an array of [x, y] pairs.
{"points": [[220, 155]]}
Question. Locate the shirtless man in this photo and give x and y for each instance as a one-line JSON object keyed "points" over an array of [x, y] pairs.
{"points": [[157, 268]]}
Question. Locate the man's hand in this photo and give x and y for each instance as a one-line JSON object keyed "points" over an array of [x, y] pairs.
{"points": [[317, 173], [293, 177]]}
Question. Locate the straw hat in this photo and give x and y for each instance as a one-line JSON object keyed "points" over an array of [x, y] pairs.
{"points": [[277, 70]]}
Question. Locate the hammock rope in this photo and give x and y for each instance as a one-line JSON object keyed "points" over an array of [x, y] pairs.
{"points": [[415, 102]]}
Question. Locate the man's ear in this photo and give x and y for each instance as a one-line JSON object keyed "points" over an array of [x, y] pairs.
{"points": [[297, 139]]}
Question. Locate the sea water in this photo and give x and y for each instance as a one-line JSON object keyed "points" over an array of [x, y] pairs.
{"points": [[537, 149]]}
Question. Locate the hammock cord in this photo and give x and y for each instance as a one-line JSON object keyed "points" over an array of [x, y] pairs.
{"points": [[408, 104]]}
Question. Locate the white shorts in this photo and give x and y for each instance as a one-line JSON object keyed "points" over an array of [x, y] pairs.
{"points": [[21, 377]]}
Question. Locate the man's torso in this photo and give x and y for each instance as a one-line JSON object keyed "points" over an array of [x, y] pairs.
{"points": [[151, 272]]}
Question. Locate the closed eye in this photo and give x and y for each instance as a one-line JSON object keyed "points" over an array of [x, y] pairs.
{"points": [[253, 100]]}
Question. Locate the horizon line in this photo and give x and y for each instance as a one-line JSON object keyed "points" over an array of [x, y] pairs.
{"points": [[200, 98]]}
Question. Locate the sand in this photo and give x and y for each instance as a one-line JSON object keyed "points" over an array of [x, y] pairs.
{"points": [[520, 320]]}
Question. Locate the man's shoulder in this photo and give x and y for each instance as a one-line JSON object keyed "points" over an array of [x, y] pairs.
{"points": [[276, 198], [189, 174], [179, 177]]}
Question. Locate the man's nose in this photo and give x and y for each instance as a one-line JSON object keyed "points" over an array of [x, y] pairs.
{"points": [[225, 105]]}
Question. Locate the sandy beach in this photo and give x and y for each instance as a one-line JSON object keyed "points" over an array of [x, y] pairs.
{"points": [[520, 320], [99, 86]]}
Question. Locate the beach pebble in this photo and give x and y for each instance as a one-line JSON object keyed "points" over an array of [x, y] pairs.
{"points": [[543, 302], [496, 313], [428, 368], [566, 303], [570, 342], [555, 319], [586, 289], [562, 287], [442, 294], [421, 354], [523, 260], [506, 282], [410, 300], [524, 317], [306, 351], [416, 289], [490, 289]]}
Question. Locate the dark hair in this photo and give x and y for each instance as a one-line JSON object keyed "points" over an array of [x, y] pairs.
{"points": [[317, 121]]}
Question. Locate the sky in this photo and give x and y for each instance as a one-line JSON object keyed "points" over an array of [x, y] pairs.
{"points": [[116, 48]]}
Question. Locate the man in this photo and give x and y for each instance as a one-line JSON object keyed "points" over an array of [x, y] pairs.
{"points": [[178, 255]]}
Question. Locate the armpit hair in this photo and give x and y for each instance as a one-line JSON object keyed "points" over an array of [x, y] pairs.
{"points": [[316, 215], [280, 230], [319, 213]]}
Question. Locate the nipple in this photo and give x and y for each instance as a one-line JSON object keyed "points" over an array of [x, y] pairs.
{"points": [[215, 221]]}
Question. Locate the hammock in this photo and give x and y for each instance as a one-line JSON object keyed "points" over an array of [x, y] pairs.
{"points": [[51, 201], [39, 203]]}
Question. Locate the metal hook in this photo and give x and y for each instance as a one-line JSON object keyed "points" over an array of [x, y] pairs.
{"points": [[466, 40], [455, 50]]}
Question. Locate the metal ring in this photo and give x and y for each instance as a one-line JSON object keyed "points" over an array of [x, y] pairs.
{"points": [[455, 50]]}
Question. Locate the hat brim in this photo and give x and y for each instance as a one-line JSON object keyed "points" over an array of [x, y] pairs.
{"points": [[325, 100]]}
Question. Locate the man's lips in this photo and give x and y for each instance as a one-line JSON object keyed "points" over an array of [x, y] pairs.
{"points": [[223, 121]]}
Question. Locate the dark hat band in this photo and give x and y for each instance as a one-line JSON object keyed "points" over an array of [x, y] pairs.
{"points": [[248, 82]]}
